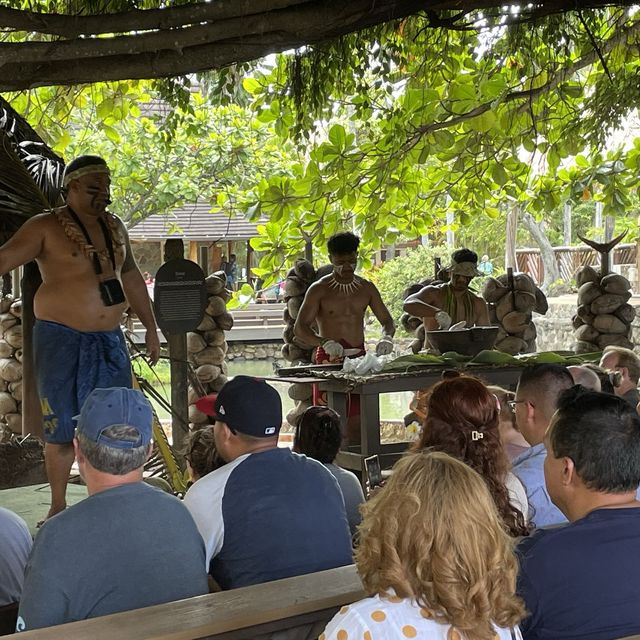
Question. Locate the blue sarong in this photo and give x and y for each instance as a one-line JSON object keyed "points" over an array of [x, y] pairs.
{"points": [[69, 365]]}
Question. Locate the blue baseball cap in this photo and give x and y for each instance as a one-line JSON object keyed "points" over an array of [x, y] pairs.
{"points": [[245, 404], [112, 407]]}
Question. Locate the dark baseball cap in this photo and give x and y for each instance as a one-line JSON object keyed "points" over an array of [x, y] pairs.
{"points": [[247, 405], [112, 407]]}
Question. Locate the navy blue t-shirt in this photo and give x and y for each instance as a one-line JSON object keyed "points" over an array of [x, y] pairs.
{"points": [[582, 581], [270, 515]]}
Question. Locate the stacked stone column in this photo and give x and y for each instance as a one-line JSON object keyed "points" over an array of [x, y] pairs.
{"points": [[207, 346], [603, 316], [11, 363], [511, 309]]}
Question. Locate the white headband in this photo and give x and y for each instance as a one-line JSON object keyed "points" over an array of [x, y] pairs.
{"points": [[83, 171]]}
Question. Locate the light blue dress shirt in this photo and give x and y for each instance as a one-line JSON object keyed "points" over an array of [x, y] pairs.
{"points": [[529, 467]]}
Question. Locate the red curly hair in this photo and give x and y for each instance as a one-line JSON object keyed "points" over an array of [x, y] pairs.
{"points": [[462, 420]]}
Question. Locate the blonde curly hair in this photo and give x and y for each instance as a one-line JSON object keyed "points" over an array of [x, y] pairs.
{"points": [[433, 534]]}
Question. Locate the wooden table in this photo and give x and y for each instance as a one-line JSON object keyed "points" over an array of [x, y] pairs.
{"points": [[369, 390]]}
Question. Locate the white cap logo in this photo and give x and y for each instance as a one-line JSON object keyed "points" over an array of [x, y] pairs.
{"points": [[221, 410], [269, 430]]}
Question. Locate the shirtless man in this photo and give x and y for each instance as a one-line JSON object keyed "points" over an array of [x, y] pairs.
{"points": [[78, 345], [442, 305], [337, 304]]}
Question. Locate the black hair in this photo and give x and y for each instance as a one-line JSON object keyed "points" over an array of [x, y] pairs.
{"points": [[545, 382], [84, 161], [342, 243], [464, 255], [601, 434], [318, 434]]}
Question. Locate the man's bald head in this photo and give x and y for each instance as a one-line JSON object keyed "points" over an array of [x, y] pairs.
{"points": [[586, 377]]}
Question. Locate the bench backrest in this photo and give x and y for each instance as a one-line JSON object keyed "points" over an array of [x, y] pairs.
{"points": [[240, 613]]}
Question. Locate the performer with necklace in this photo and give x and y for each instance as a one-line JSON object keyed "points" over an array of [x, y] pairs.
{"points": [[336, 304], [441, 305], [89, 277]]}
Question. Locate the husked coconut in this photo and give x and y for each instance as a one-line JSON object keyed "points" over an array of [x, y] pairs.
{"points": [[511, 345], [218, 383], [416, 346], [195, 342], [7, 403], [14, 422], [5, 303], [18, 355], [493, 316], [530, 333], [608, 323], [588, 292], [524, 301], [15, 388], [10, 369], [207, 372], [542, 304], [207, 324], [13, 336], [304, 270], [524, 282], [584, 312], [286, 316], [294, 286], [493, 290], [293, 305], [287, 333], [225, 321], [586, 347], [606, 303], [16, 308], [585, 274], [7, 320], [515, 322], [587, 333], [226, 295], [626, 313], [504, 306], [577, 321], [614, 339], [6, 350], [214, 338], [421, 333], [216, 306], [300, 391], [214, 284], [615, 283], [296, 353], [210, 355]]}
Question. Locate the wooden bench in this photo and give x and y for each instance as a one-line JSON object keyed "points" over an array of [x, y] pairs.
{"points": [[246, 613]]}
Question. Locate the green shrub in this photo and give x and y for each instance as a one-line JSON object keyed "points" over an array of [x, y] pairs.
{"points": [[394, 276]]}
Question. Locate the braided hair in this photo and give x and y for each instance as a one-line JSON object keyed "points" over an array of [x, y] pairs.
{"points": [[318, 434]]}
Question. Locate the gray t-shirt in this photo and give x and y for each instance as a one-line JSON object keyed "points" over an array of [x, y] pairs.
{"points": [[124, 548], [351, 492], [15, 545]]}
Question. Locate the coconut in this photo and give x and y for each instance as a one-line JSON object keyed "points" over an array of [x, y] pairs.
{"points": [[15, 388], [505, 306], [530, 333], [577, 322], [10, 369], [218, 383], [524, 301], [542, 305], [493, 290], [614, 283], [210, 355], [304, 270], [216, 306], [297, 353], [7, 320], [14, 336], [18, 355], [214, 284], [588, 292], [416, 346], [7, 403], [511, 345], [586, 347], [207, 324], [493, 317], [16, 308], [214, 338], [586, 274], [293, 306], [587, 334], [531, 346], [614, 339], [196, 416], [6, 350], [295, 286], [608, 323], [14, 422], [515, 322], [524, 282], [207, 373], [288, 334], [584, 312], [226, 295], [5, 303], [606, 303], [300, 391], [195, 342], [225, 321], [626, 313]]}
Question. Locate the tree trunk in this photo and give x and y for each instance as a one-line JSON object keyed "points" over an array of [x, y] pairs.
{"points": [[551, 270], [510, 258]]}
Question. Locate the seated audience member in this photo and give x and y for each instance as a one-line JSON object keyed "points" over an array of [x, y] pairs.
{"points": [[435, 557], [581, 581], [462, 420], [536, 400], [201, 454], [627, 364], [512, 440], [586, 377], [124, 547], [318, 436], [15, 546], [268, 513]]}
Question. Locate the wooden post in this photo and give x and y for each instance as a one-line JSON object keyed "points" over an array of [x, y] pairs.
{"points": [[31, 411], [177, 342]]}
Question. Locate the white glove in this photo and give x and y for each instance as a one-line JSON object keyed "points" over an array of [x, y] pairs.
{"points": [[443, 319], [333, 349], [385, 346]]}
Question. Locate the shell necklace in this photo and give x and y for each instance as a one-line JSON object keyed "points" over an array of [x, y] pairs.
{"points": [[346, 288]]}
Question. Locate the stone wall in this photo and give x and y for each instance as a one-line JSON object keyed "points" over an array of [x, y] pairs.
{"points": [[256, 351]]}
